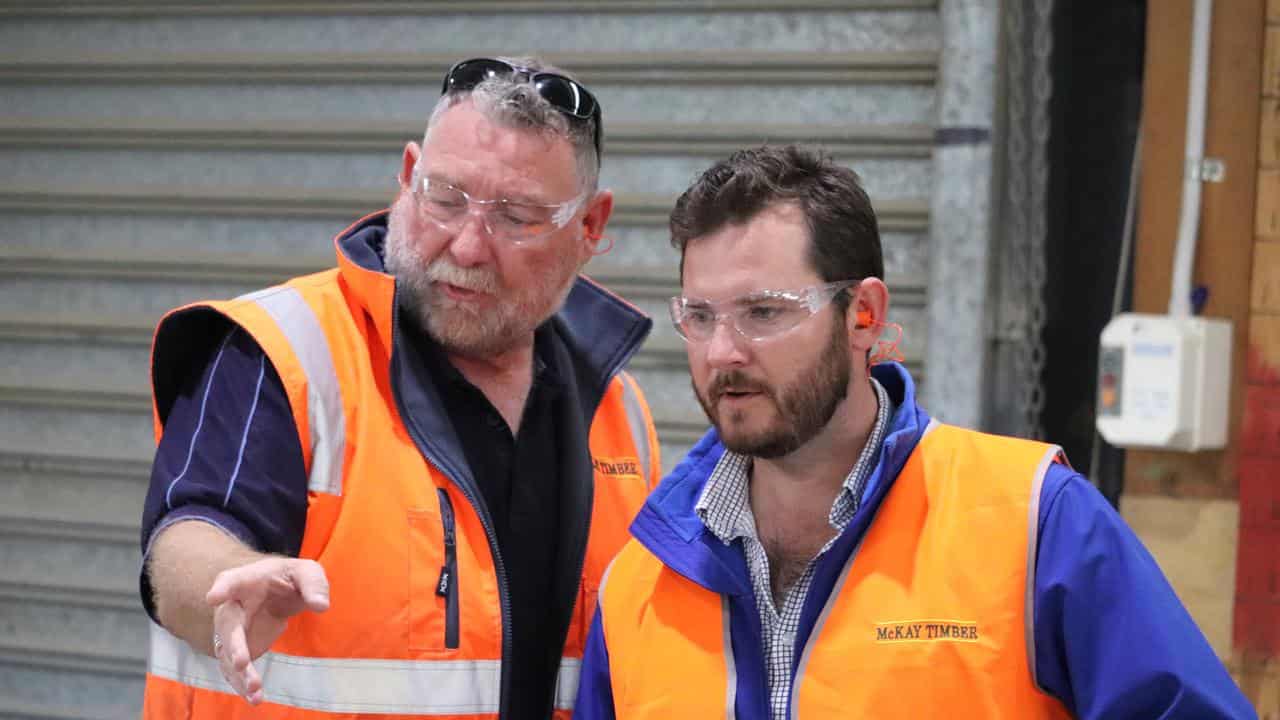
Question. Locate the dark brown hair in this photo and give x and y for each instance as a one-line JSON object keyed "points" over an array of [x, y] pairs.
{"points": [[844, 239]]}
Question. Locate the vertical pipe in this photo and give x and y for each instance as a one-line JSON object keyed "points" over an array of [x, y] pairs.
{"points": [[1188, 225]]}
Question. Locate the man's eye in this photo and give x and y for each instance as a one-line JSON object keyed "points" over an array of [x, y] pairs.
{"points": [[520, 218], [699, 316], [445, 200], [765, 313]]}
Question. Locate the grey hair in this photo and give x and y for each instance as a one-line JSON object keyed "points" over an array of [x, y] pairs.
{"points": [[512, 103]]}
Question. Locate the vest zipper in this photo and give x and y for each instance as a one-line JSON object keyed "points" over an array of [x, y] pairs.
{"points": [[471, 493], [447, 587]]}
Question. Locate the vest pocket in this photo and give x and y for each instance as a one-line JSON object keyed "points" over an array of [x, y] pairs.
{"points": [[433, 578], [447, 585]]}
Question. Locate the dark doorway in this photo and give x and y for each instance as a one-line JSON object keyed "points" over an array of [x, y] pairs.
{"points": [[1097, 95]]}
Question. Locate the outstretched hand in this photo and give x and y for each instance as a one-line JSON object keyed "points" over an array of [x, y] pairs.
{"points": [[252, 605]]}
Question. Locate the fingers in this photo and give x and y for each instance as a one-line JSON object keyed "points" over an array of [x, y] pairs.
{"points": [[231, 649], [251, 580], [230, 584], [252, 604], [275, 578], [309, 579], [250, 682]]}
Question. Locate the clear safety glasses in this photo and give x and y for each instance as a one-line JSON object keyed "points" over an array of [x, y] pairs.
{"points": [[515, 221], [755, 316]]}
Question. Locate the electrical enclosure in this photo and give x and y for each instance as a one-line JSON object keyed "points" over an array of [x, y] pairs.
{"points": [[1164, 382]]}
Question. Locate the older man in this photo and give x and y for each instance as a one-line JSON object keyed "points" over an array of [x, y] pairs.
{"points": [[828, 550], [374, 487]]}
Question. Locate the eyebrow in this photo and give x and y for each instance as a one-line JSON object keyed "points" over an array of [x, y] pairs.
{"points": [[530, 200], [745, 298], [537, 200], [767, 294], [435, 178], [516, 199]]}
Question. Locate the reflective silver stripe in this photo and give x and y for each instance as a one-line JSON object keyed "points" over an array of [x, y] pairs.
{"points": [[933, 425], [567, 683], [730, 664], [1033, 538], [604, 580], [375, 687], [636, 419], [819, 623], [324, 399], [832, 598]]}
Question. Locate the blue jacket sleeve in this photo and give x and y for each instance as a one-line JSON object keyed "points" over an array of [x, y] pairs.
{"points": [[595, 689], [1112, 640]]}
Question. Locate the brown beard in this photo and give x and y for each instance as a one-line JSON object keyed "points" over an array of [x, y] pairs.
{"points": [[804, 406]]}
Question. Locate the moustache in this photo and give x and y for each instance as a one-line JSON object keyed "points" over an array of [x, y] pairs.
{"points": [[475, 279], [736, 381]]}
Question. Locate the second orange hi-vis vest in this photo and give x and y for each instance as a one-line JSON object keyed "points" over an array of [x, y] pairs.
{"points": [[929, 619], [385, 520]]}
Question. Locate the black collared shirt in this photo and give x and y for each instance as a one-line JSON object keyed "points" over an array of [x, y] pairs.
{"points": [[519, 477]]}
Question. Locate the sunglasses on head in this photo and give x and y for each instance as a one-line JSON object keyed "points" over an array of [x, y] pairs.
{"points": [[565, 94]]}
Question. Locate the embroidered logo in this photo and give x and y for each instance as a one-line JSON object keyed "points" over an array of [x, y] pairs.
{"points": [[927, 631], [617, 467]]}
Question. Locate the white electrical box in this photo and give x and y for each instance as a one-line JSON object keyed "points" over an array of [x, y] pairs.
{"points": [[1164, 382]]}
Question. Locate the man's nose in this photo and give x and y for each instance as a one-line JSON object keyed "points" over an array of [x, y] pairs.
{"points": [[724, 347], [472, 242]]}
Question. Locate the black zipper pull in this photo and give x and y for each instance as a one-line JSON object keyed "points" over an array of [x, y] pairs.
{"points": [[442, 585]]}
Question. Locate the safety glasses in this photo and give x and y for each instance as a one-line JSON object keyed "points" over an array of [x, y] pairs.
{"points": [[449, 208], [755, 316], [565, 94]]}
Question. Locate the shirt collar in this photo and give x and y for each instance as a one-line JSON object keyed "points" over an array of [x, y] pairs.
{"points": [[725, 507]]}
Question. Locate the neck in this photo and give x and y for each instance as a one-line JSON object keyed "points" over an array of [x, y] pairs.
{"points": [[807, 481], [504, 378], [791, 497]]}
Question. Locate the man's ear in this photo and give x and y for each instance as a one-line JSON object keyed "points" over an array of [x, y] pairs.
{"points": [[868, 308], [407, 163], [594, 220]]}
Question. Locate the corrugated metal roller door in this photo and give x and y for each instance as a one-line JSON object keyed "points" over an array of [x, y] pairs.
{"points": [[158, 152]]}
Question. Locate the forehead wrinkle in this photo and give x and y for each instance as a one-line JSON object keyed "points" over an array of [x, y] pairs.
{"points": [[769, 247], [525, 165]]}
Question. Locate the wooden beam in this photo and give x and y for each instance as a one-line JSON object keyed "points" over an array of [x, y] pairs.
{"points": [[1269, 135], [1266, 278], [1224, 254], [1264, 355], [1271, 72], [1267, 220]]}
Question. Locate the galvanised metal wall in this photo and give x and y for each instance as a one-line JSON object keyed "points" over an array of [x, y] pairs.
{"points": [[156, 152]]}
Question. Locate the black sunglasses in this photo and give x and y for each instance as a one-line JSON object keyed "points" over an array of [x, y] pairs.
{"points": [[565, 94]]}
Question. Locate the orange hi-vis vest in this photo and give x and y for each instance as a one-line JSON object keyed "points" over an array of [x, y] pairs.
{"points": [[931, 616], [416, 622]]}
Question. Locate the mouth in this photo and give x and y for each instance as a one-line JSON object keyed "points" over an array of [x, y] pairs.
{"points": [[737, 395], [459, 293]]}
